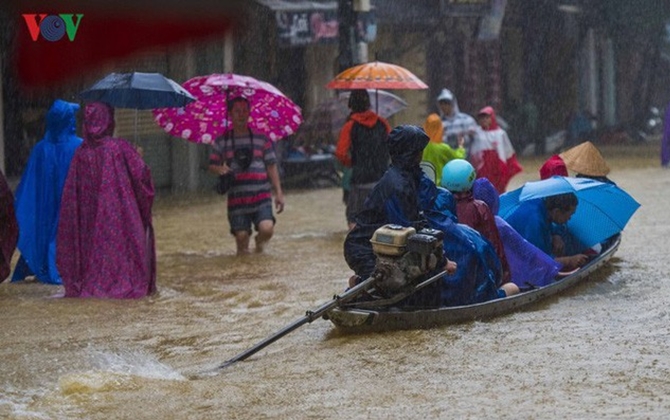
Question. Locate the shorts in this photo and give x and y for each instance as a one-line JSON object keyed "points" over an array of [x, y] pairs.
{"points": [[356, 199], [243, 222]]}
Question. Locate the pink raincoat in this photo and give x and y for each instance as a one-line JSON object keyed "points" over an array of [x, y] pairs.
{"points": [[105, 243]]}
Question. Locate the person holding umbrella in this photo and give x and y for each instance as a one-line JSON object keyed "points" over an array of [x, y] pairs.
{"points": [[536, 221], [105, 237], [362, 146], [251, 159]]}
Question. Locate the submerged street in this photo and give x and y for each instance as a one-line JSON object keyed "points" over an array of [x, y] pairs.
{"points": [[597, 351]]}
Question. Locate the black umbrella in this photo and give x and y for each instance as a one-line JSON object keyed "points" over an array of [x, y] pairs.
{"points": [[138, 91]]}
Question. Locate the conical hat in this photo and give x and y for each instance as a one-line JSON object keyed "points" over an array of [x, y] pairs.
{"points": [[585, 159]]}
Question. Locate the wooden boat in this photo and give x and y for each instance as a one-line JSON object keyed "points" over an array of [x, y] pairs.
{"points": [[356, 319]]}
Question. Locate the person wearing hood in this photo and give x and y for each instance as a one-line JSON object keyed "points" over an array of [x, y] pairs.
{"points": [[9, 234], [554, 166], [394, 200], [479, 272], [362, 146], [38, 196], [492, 153], [437, 152], [529, 266], [105, 238], [458, 177], [457, 125]]}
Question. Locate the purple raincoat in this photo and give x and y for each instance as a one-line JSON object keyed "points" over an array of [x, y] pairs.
{"points": [[529, 266], [665, 143], [105, 243]]}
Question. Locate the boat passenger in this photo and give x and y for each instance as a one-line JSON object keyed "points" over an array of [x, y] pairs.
{"points": [[587, 162], [529, 266], [553, 166], [395, 199], [458, 176], [534, 218], [479, 270]]}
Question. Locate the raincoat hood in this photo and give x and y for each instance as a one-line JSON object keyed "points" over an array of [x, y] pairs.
{"points": [[553, 166], [447, 95], [487, 110], [405, 143], [61, 122], [98, 121], [434, 128], [367, 118], [483, 190]]}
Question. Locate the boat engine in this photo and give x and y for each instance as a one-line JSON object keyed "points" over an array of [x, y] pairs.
{"points": [[405, 256]]}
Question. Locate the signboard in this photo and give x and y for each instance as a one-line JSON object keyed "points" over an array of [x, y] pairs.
{"points": [[465, 8], [299, 28], [491, 23]]}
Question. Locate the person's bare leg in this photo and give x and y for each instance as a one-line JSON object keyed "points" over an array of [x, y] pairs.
{"points": [[510, 289], [242, 241], [265, 232]]}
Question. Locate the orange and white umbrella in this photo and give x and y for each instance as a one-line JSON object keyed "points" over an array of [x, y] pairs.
{"points": [[376, 75]]}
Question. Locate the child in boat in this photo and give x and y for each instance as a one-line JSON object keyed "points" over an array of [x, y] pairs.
{"points": [[479, 271], [529, 266], [458, 176]]}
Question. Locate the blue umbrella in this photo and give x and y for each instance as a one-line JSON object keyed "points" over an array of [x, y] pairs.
{"points": [[603, 209], [138, 91]]}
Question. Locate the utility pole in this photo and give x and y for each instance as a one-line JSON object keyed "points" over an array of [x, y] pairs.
{"points": [[347, 25]]}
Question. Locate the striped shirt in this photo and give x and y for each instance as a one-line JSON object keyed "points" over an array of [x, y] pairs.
{"points": [[252, 187]]}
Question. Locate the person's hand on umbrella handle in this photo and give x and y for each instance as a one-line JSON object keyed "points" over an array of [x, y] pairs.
{"points": [[279, 203]]}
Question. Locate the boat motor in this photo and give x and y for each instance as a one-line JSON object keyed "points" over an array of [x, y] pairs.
{"points": [[404, 256]]}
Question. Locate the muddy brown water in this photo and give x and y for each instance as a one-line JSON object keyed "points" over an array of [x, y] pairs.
{"points": [[599, 350]]}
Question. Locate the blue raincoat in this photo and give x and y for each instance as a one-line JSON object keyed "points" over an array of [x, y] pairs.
{"points": [[528, 264], [39, 193], [395, 199], [478, 267]]}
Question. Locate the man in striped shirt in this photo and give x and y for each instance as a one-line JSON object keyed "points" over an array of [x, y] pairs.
{"points": [[251, 157]]}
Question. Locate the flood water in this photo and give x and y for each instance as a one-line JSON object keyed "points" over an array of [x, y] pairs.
{"points": [[599, 350]]}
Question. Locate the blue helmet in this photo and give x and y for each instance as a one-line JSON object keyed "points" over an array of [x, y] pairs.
{"points": [[458, 175]]}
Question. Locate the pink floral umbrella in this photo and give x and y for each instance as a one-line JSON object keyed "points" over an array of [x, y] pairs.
{"points": [[272, 113]]}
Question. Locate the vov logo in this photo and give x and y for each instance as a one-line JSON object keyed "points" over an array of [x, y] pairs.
{"points": [[53, 27]]}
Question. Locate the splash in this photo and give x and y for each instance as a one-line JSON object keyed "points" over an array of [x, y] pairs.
{"points": [[117, 370]]}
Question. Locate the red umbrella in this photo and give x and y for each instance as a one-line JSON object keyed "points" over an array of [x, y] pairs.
{"points": [[376, 75]]}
